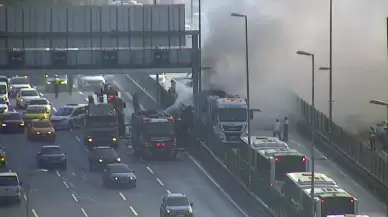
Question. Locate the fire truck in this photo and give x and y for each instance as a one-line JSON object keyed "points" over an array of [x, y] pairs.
{"points": [[153, 134], [101, 123], [114, 97]]}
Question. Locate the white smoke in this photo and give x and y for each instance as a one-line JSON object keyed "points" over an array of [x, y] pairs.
{"points": [[276, 30]]}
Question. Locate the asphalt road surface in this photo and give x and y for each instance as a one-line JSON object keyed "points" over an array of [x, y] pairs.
{"points": [[76, 192], [368, 203]]}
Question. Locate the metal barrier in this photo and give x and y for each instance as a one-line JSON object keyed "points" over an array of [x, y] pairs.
{"points": [[348, 151]]}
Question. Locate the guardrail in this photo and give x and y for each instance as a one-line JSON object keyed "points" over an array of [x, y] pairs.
{"points": [[349, 152]]}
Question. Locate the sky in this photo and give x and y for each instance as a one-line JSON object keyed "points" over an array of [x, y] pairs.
{"points": [[276, 30]]}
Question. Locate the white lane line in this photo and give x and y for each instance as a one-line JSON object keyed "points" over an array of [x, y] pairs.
{"points": [[25, 197], [217, 185], [54, 109], [58, 174], [149, 170], [80, 93], [83, 211], [160, 182], [133, 210], [34, 213], [66, 185], [168, 191], [122, 196], [86, 99], [76, 200], [78, 139]]}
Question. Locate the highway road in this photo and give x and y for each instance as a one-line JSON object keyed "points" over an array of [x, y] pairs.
{"points": [[76, 192], [369, 204]]}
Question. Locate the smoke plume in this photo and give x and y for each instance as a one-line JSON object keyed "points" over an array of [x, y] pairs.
{"points": [[276, 30]]}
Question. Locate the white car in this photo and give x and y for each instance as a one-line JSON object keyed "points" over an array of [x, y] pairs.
{"points": [[90, 82], [10, 186], [3, 105], [69, 116], [17, 83], [25, 95]]}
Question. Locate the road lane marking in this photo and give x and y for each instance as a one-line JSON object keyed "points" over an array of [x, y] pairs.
{"points": [[86, 99], [58, 174], [54, 109], [168, 191], [66, 185], [160, 182], [83, 211], [25, 197], [34, 213], [133, 210], [217, 185], [80, 93], [76, 200], [149, 170], [122, 196], [78, 139]]}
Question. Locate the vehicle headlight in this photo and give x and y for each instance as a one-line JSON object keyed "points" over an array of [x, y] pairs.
{"points": [[4, 125], [114, 139], [190, 210], [168, 211], [49, 132], [115, 178], [48, 82], [90, 140], [132, 178], [21, 100], [118, 159], [21, 124], [100, 160], [38, 133]]}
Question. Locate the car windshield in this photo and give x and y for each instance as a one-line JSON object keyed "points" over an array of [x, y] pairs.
{"points": [[39, 102], [35, 110], [8, 181], [42, 124], [19, 81], [177, 201], [3, 89], [51, 150], [64, 111], [120, 169], [106, 152], [11, 116], [29, 93]]}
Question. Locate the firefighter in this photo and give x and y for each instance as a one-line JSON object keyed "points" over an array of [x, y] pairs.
{"points": [[372, 138], [70, 83], [285, 129], [56, 85]]}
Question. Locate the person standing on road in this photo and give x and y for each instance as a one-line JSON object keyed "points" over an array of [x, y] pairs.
{"points": [[372, 138], [276, 129], [285, 129]]}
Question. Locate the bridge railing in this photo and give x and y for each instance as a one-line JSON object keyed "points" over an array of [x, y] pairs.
{"points": [[349, 152]]}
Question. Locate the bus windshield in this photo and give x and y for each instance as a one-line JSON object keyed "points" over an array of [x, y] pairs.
{"points": [[337, 206], [289, 164]]}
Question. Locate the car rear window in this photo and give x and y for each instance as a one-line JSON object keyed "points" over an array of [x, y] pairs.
{"points": [[8, 181], [42, 124]]}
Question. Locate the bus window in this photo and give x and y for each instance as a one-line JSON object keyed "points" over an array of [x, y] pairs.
{"points": [[337, 205]]}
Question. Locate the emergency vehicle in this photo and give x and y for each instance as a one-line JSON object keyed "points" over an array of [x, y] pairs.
{"points": [[329, 199], [153, 133], [101, 123], [228, 115]]}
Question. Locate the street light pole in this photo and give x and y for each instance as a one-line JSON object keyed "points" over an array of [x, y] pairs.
{"points": [[313, 128], [331, 66], [380, 102], [246, 71]]}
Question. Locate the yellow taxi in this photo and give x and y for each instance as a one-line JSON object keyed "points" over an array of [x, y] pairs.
{"points": [[40, 130], [36, 112]]}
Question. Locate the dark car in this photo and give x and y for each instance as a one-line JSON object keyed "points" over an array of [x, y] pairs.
{"points": [[11, 122], [51, 156], [100, 157], [118, 174], [176, 205], [3, 160]]}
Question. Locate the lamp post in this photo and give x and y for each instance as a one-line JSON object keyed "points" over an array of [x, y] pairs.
{"points": [[379, 102], [330, 96], [28, 187], [330, 66], [246, 70], [304, 53]]}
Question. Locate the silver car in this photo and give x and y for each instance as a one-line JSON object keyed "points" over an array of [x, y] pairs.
{"points": [[91, 82], [69, 116], [10, 186]]}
